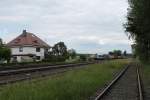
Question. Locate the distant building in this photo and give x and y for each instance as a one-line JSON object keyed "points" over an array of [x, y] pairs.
{"points": [[27, 47]]}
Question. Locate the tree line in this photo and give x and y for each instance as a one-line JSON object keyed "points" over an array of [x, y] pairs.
{"points": [[118, 53], [138, 27]]}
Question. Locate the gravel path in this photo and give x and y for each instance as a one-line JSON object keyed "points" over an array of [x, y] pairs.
{"points": [[125, 88]]}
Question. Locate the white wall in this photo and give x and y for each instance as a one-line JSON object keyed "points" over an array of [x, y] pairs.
{"points": [[28, 50]]}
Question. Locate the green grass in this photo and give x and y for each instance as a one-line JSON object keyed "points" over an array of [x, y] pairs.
{"points": [[72, 85], [146, 73], [145, 77]]}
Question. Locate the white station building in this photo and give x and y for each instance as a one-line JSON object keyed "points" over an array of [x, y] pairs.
{"points": [[27, 47]]}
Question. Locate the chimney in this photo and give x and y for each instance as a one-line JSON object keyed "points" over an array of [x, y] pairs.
{"points": [[24, 33]]}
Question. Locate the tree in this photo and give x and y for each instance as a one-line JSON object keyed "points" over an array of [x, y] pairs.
{"points": [[58, 53], [83, 57], [111, 53], [117, 53], [59, 49], [5, 53], [125, 53], [72, 53], [138, 27], [1, 42]]}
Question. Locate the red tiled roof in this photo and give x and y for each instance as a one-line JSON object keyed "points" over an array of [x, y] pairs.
{"points": [[27, 39]]}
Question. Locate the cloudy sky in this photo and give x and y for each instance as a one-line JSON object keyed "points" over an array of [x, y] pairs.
{"points": [[89, 26]]}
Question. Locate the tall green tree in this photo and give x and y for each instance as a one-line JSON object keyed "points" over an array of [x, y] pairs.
{"points": [[1, 42], [117, 52], [5, 53], [138, 27], [72, 53], [58, 53], [125, 53], [60, 49]]}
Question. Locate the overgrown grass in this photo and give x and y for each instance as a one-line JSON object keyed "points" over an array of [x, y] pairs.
{"points": [[145, 71], [73, 85], [145, 77]]}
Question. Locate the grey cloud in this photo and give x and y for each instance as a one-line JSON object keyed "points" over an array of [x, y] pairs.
{"points": [[56, 20]]}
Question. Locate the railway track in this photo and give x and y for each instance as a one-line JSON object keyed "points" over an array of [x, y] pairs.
{"points": [[12, 76], [33, 69], [126, 86]]}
